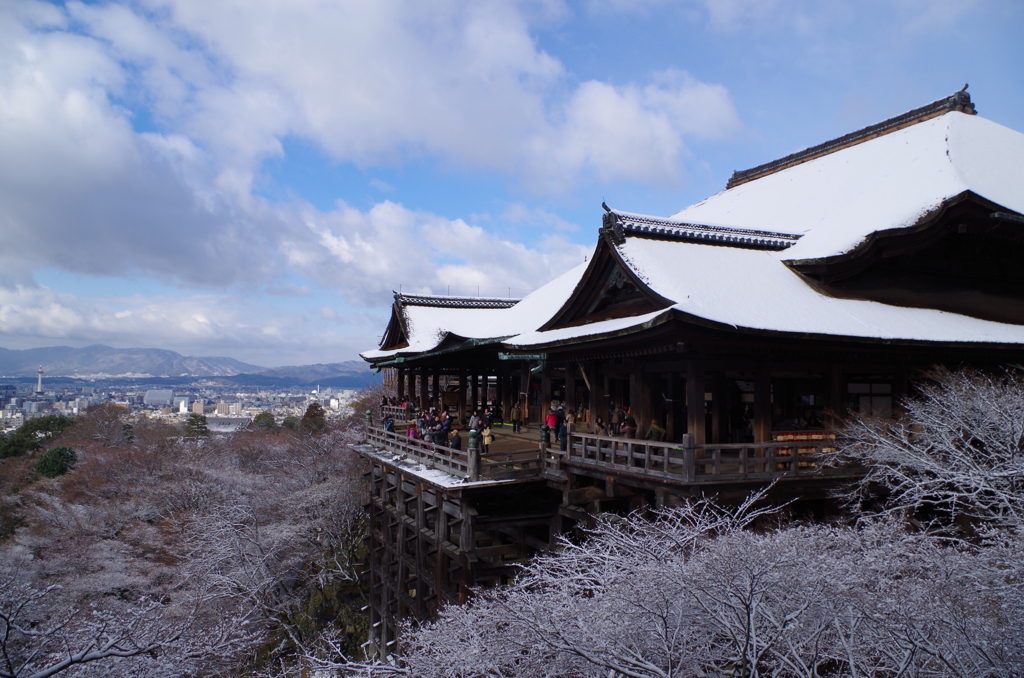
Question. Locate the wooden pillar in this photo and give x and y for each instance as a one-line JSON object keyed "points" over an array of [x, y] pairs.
{"points": [[545, 389], [640, 399], [762, 404], [463, 415], [524, 389], [674, 422], [502, 395], [696, 423], [442, 533], [400, 383], [835, 395], [616, 390], [511, 391], [435, 388], [570, 388], [474, 398], [718, 412], [424, 389], [900, 387], [606, 389], [598, 395], [421, 548]]}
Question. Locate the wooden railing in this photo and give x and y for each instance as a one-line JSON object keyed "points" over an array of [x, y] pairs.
{"points": [[684, 462], [469, 464], [687, 462], [398, 413]]}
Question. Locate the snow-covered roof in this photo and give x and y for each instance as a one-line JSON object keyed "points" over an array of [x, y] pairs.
{"points": [[752, 289], [727, 260], [429, 325], [835, 201]]}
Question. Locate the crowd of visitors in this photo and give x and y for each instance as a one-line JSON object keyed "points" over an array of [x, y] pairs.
{"points": [[437, 427]]}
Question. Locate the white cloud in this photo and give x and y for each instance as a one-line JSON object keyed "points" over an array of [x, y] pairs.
{"points": [[366, 255], [130, 135], [372, 83], [631, 132], [203, 324], [369, 82]]}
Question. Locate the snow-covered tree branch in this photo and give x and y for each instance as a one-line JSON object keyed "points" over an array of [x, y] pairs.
{"points": [[957, 451]]}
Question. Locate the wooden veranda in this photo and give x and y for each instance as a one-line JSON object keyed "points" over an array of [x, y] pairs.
{"points": [[445, 521]]}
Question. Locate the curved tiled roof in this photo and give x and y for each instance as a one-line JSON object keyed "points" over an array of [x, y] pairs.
{"points": [[454, 302], [619, 225], [960, 101]]}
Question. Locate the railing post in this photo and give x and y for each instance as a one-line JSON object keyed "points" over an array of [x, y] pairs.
{"points": [[689, 455], [473, 455], [369, 423]]}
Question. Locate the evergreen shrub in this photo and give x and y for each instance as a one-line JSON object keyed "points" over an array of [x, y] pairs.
{"points": [[56, 462]]}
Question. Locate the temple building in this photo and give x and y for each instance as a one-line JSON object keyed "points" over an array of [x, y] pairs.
{"points": [[814, 284], [745, 326]]}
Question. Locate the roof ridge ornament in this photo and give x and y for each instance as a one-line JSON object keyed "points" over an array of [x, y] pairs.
{"points": [[959, 101], [616, 226]]}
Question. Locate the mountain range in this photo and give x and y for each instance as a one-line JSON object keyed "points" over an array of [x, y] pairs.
{"points": [[134, 363]]}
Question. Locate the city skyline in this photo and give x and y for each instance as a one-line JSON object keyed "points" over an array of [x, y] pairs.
{"points": [[254, 182]]}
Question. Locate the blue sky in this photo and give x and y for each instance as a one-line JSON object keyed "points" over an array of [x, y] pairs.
{"points": [[253, 179]]}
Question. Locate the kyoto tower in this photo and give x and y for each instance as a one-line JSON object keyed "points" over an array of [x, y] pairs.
{"points": [[39, 380]]}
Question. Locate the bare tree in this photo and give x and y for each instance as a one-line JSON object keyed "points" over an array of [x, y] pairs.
{"points": [[697, 591], [160, 556], [958, 449], [41, 637]]}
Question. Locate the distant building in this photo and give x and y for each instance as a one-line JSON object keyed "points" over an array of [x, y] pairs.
{"points": [[223, 409], [228, 425], [158, 398], [197, 407]]}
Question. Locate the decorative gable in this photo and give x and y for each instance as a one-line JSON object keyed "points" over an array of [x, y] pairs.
{"points": [[608, 289]]}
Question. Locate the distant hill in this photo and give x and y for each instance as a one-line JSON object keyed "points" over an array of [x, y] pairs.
{"points": [[311, 373], [100, 361]]}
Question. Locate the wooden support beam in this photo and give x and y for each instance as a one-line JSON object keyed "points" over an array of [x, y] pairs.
{"points": [[463, 415], [400, 383], [762, 404], [435, 389], [524, 389], [424, 389], [900, 387], [545, 389], [836, 401], [674, 422], [474, 398], [421, 585], [598, 396], [502, 394], [696, 423], [570, 388], [719, 418], [644, 403]]}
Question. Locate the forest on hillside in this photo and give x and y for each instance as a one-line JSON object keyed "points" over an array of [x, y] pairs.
{"points": [[138, 549]]}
